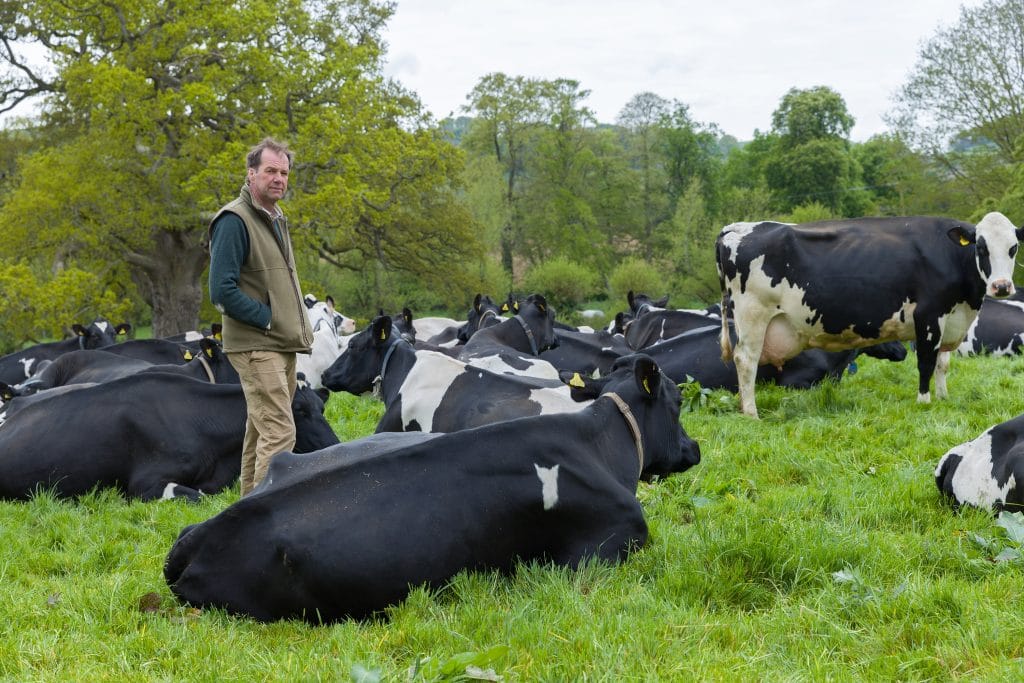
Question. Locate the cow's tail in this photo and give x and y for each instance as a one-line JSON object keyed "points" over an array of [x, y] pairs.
{"points": [[724, 337]]}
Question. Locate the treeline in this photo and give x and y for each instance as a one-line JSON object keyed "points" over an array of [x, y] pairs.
{"points": [[143, 112]]}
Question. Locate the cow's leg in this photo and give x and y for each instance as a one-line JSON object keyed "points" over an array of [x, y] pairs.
{"points": [[750, 332], [929, 338], [941, 368]]}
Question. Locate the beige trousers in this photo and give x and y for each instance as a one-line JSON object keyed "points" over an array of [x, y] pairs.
{"points": [[268, 383]]}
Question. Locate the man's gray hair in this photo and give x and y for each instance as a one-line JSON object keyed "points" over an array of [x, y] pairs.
{"points": [[255, 155]]}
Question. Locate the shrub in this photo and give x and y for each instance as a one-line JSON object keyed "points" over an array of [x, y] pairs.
{"points": [[565, 283], [637, 275]]}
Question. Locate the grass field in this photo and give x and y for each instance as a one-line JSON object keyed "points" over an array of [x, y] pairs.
{"points": [[811, 545]]}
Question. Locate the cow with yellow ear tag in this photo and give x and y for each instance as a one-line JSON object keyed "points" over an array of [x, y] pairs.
{"points": [[351, 529]]}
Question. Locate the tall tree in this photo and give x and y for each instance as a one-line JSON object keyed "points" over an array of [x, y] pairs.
{"points": [[968, 82], [641, 119], [508, 112], [559, 218], [811, 160], [150, 107]]}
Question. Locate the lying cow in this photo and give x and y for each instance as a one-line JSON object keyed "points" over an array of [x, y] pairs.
{"points": [[432, 392], [987, 472], [518, 340], [331, 332], [845, 284], [348, 531], [18, 366], [151, 435], [697, 355], [99, 365], [998, 330]]}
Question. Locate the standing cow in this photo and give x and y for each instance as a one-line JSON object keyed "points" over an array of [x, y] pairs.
{"points": [[850, 283]]}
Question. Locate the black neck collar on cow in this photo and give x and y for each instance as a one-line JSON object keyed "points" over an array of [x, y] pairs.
{"points": [[529, 334], [634, 427]]}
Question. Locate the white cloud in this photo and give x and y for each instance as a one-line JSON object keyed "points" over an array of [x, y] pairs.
{"points": [[731, 61]]}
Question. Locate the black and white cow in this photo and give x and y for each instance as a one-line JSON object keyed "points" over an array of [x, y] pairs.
{"points": [[350, 530], [331, 332], [587, 353], [153, 350], [518, 340], [433, 392], [697, 355], [987, 472], [844, 284], [150, 435], [99, 365], [998, 330], [18, 366]]}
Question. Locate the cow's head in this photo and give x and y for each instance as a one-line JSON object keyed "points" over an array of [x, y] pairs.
{"points": [[312, 430], [654, 403], [641, 303], [996, 243], [483, 313], [99, 333], [359, 364], [539, 317]]}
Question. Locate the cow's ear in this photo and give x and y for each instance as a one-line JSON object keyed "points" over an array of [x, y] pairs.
{"points": [[187, 354], [476, 302], [581, 388], [962, 235], [123, 328], [407, 316], [380, 328], [216, 330], [540, 302], [6, 392], [630, 299], [79, 330], [207, 344], [662, 302], [648, 376]]}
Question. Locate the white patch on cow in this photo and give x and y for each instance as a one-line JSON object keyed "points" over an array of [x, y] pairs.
{"points": [[425, 386], [548, 485], [556, 400], [27, 364], [535, 367], [168, 493], [972, 481], [429, 326], [955, 325], [193, 336], [103, 325]]}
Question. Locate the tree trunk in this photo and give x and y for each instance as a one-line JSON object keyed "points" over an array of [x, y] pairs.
{"points": [[168, 279]]}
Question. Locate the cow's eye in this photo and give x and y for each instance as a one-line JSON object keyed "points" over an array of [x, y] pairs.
{"points": [[1013, 251]]}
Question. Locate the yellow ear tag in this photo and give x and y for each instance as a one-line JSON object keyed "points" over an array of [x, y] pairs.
{"points": [[188, 355], [504, 308], [383, 335], [209, 352], [647, 386], [964, 241], [576, 380]]}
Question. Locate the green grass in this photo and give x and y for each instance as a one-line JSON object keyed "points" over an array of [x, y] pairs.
{"points": [[810, 545]]}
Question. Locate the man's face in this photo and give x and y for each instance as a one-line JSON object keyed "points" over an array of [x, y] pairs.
{"points": [[269, 182]]}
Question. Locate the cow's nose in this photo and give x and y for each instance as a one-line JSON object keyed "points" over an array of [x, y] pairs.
{"points": [[1002, 288]]}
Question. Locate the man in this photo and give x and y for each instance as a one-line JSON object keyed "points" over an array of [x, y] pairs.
{"points": [[254, 285]]}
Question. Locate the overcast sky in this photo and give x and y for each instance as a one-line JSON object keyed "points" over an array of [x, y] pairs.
{"points": [[731, 61]]}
